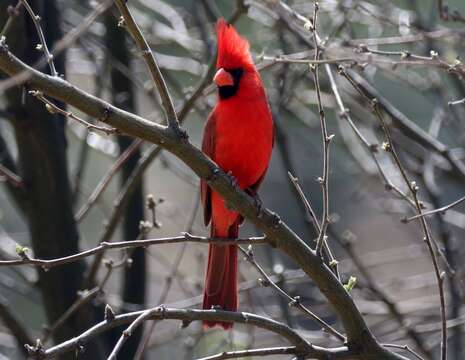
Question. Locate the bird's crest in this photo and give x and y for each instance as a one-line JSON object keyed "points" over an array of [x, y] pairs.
{"points": [[233, 50]]}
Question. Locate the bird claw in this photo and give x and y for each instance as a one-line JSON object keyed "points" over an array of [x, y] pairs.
{"points": [[257, 200], [232, 179], [181, 133]]}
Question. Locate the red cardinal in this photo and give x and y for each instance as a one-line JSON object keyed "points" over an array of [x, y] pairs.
{"points": [[238, 136]]}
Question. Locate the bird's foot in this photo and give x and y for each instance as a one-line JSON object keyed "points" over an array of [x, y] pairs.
{"points": [[232, 179], [257, 200]]}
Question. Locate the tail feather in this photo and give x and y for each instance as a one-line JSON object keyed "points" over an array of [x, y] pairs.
{"points": [[221, 277]]}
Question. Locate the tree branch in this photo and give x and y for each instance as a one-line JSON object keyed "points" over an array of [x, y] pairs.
{"points": [[131, 244], [440, 210], [301, 346], [136, 34], [54, 109], [43, 43], [292, 301], [284, 350], [9, 176], [324, 180]]}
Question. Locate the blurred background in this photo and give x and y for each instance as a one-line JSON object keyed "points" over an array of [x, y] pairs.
{"points": [[60, 166]]}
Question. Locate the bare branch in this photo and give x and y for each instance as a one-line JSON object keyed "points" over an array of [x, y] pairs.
{"points": [[413, 188], [286, 59], [43, 43], [409, 38], [407, 57], [308, 207], [324, 181], [60, 46], [401, 121], [83, 299], [344, 114], [53, 109], [187, 316], [456, 102], [130, 329], [293, 301], [186, 237], [284, 350], [440, 210], [105, 181], [13, 12], [135, 32], [406, 348], [10, 177]]}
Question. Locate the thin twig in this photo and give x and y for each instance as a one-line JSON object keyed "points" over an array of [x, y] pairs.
{"points": [[426, 234], [285, 59], [12, 178], [13, 12], [324, 181], [344, 114], [186, 316], [284, 350], [401, 121], [43, 43], [83, 299], [440, 210], [53, 109], [406, 348], [333, 263], [147, 54], [310, 212], [456, 102], [60, 46], [186, 237], [382, 294], [130, 329], [413, 188], [293, 301], [169, 278], [410, 38], [105, 181]]}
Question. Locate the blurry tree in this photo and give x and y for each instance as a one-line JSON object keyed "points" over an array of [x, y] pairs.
{"points": [[44, 195]]}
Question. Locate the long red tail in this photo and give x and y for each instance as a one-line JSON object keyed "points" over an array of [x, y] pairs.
{"points": [[221, 279]]}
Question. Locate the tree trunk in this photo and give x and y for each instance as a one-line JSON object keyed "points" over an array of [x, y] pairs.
{"points": [[133, 291]]}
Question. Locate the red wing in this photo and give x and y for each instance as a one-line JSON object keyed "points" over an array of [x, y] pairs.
{"points": [[208, 148], [254, 187]]}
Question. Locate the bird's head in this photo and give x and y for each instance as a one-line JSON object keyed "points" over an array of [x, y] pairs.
{"points": [[236, 72]]}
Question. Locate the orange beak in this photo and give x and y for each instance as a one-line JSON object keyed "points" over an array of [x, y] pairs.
{"points": [[223, 78]]}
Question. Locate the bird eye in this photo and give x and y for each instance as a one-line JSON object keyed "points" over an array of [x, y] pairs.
{"points": [[236, 73], [227, 92]]}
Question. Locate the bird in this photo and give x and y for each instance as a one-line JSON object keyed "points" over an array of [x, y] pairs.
{"points": [[238, 136]]}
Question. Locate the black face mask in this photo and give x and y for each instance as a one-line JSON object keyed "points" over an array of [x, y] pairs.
{"points": [[228, 91]]}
